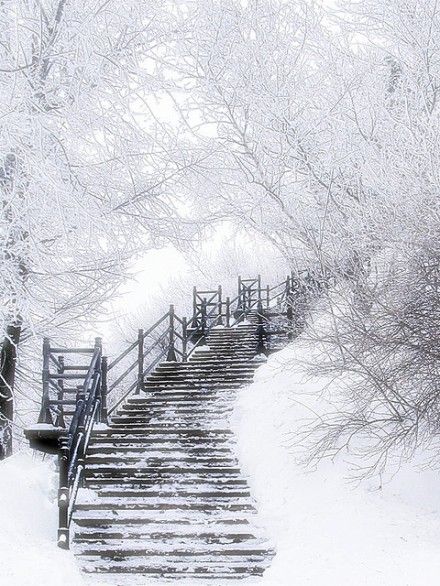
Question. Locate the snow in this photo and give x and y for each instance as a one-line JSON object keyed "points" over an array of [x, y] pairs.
{"points": [[44, 427], [326, 529], [28, 521]]}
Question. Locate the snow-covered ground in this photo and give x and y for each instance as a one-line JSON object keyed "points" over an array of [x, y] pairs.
{"points": [[326, 530], [28, 526]]}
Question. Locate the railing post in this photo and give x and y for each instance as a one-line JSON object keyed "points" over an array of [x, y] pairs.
{"points": [[259, 289], [220, 307], [59, 422], [98, 373], [104, 388], [63, 498], [240, 296], [267, 296], [171, 356], [140, 375], [228, 312], [81, 397], [261, 333], [45, 414], [194, 322], [203, 322], [184, 339]]}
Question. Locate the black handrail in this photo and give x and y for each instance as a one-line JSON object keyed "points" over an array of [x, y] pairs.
{"points": [[74, 445]]}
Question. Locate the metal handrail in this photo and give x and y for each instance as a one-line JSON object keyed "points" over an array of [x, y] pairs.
{"points": [[75, 444]]}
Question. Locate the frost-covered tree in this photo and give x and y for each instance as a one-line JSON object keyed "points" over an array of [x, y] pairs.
{"points": [[86, 167], [327, 129]]}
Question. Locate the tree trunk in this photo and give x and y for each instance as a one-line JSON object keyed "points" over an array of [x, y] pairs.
{"points": [[8, 364]]}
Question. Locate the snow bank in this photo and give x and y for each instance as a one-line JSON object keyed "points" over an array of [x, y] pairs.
{"points": [[28, 526], [326, 530]]}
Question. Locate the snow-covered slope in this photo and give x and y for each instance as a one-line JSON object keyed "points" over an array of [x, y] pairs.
{"points": [[28, 526], [328, 531]]}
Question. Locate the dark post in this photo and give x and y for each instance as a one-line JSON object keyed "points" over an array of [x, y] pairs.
{"points": [[259, 289], [240, 296], [45, 415], [194, 322], [171, 356], [83, 395], [104, 388], [184, 339], [268, 297], [228, 312], [261, 333], [63, 499], [60, 417], [203, 321], [140, 376], [98, 347], [220, 307]]}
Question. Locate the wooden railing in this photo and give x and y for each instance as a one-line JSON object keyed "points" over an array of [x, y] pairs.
{"points": [[78, 395]]}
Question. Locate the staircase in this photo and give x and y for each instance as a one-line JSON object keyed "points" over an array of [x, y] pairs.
{"points": [[149, 482], [167, 497]]}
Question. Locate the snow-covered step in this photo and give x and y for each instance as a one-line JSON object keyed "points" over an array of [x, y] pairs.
{"points": [[93, 462], [200, 550], [178, 569], [170, 535]]}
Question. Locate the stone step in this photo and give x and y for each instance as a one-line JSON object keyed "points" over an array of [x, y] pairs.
{"points": [[205, 571], [201, 368], [160, 443], [160, 406], [157, 450], [175, 395], [194, 385], [182, 408], [226, 353], [165, 412], [156, 426], [210, 360], [177, 392], [248, 551], [164, 470], [225, 535], [176, 431], [124, 461], [117, 505], [172, 491], [184, 482], [165, 398], [150, 522], [201, 376]]}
